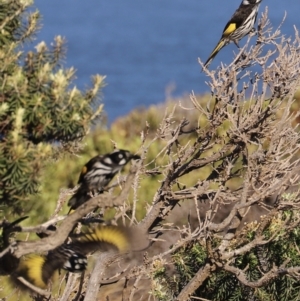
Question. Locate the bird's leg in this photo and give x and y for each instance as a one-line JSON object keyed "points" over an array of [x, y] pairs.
{"points": [[93, 193], [237, 44], [242, 56]]}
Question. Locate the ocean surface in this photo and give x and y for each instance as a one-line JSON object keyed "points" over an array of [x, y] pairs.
{"points": [[146, 49]]}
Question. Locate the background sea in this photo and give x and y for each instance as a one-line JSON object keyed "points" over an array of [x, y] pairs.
{"points": [[146, 48]]}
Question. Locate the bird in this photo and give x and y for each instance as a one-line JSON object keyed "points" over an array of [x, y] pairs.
{"points": [[240, 24], [97, 173], [39, 269]]}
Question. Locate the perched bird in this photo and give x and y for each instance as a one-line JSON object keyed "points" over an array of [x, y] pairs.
{"points": [[240, 24], [97, 173], [39, 269]]}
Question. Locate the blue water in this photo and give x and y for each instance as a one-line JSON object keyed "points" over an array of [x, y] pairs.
{"points": [[144, 47]]}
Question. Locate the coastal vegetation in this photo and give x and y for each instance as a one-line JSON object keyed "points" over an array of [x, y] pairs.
{"points": [[214, 198]]}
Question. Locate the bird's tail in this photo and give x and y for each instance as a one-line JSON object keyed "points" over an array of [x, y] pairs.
{"points": [[220, 45], [80, 197]]}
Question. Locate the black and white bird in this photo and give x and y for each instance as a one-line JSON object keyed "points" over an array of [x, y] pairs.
{"points": [[97, 173], [240, 24]]}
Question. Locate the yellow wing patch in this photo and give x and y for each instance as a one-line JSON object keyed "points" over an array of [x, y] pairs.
{"points": [[114, 235], [31, 269], [84, 170], [229, 29]]}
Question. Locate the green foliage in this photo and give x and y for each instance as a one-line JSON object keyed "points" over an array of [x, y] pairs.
{"points": [[223, 285], [164, 287], [188, 260], [38, 110]]}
